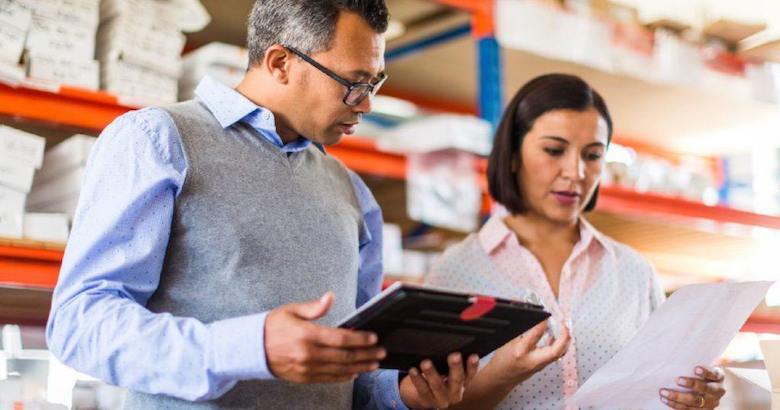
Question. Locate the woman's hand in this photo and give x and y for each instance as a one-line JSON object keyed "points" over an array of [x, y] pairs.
{"points": [[707, 390], [426, 388], [520, 359]]}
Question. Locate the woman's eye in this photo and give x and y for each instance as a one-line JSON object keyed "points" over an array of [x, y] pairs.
{"points": [[554, 151], [593, 156]]}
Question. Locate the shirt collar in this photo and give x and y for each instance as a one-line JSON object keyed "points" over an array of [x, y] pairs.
{"points": [[226, 104], [495, 232], [229, 107]]}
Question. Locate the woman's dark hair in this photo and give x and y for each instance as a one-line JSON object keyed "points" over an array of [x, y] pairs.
{"points": [[537, 97]]}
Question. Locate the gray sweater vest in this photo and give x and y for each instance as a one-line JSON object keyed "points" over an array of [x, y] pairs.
{"points": [[253, 229]]}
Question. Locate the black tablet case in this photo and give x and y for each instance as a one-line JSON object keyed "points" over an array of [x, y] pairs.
{"points": [[416, 323]]}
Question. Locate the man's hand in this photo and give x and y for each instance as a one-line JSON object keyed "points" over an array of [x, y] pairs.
{"points": [[300, 351], [428, 389]]}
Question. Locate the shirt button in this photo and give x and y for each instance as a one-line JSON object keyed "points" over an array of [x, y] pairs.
{"points": [[570, 383], [266, 115]]}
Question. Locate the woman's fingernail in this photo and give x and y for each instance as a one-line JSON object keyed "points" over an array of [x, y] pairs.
{"points": [[663, 399], [413, 371], [426, 365], [683, 382], [665, 393], [699, 371]]}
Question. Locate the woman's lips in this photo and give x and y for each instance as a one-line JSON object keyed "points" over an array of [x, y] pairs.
{"points": [[566, 198]]}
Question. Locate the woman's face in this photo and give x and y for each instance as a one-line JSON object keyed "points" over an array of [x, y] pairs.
{"points": [[561, 161]]}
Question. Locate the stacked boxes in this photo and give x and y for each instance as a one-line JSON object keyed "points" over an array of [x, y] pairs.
{"points": [[226, 63], [21, 154], [57, 185], [139, 47], [60, 45], [15, 21]]}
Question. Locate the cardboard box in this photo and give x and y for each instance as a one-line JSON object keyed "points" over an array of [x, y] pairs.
{"points": [[11, 73], [62, 70], [11, 43], [66, 205], [143, 13], [138, 85], [65, 157], [16, 175], [156, 50], [11, 213], [767, 50], [21, 146], [771, 351], [15, 14], [732, 31], [66, 186], [46, 227], [52, 37]]}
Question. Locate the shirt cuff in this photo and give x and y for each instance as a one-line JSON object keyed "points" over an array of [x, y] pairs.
{"points": [[238, 348], [386, 390]]}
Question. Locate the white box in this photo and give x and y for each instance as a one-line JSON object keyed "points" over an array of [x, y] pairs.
{"points": [[48, 36], [66, 205], [65, 186], [84, 13], [65, 157], [11, 213], [63, 70], [21, 146], [46, 227], [157, 50], [143, 13], [11, 73], [15, 14], [11, 43], [15, 174]]}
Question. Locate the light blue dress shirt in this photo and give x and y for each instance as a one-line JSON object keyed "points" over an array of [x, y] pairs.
{"points": [[99, 324]]}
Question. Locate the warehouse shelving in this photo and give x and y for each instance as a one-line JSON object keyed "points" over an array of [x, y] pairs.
{"points": [[25, 266]]}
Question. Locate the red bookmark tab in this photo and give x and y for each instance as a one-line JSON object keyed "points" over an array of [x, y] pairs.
{"points": [[480, 306]]}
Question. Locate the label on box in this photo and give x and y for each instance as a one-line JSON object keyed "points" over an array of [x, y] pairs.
{"points": [[49, 36], [15, 15], [79, 73], [11, 43], [21, 146]]}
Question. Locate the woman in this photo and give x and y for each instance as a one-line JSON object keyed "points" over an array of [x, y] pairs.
{"points": [[545, 168]]}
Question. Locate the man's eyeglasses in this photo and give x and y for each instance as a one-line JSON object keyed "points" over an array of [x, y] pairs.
{"points": [[356, 91]]}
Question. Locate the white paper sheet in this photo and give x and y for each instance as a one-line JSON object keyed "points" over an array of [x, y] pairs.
{"points": [[692, 328]]}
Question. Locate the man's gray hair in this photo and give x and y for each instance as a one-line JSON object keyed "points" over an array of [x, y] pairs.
{"points": [[308, 25]]}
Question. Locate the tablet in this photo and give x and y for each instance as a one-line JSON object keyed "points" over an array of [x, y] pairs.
{"points": [[416, 322]]}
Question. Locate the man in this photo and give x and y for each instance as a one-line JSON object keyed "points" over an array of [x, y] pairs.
{"points": [[204, 227]]}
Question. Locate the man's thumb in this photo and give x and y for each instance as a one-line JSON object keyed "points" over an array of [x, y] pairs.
{"points": [[314, 309]]}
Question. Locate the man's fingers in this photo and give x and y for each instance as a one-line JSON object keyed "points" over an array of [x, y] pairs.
{"points": [[332, 337], [436, 383], [348, 356], [313, 309], [456, 377], [338, 370]]}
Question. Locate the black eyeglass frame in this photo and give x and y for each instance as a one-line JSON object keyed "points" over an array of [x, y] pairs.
{"points": [[365, 89]]}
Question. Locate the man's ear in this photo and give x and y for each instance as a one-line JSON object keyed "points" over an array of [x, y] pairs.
{"points": [[277, 61]]}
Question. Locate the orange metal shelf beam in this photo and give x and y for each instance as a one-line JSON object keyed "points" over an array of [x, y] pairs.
{"points": [[71, 106], [626, 201], [29, 266]]}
